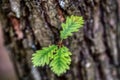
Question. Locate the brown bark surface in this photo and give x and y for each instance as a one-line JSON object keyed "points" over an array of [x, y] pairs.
{"points": [[29, 25]]}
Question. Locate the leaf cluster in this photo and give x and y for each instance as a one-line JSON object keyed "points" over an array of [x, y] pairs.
{"points": [[58, 59], [56, 56]]}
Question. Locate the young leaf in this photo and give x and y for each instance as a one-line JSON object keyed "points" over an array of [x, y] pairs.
{"points": [[42, 57], [61, 61], [73, 23]]}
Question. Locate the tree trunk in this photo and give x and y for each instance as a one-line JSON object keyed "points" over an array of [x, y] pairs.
{"points": [[29, 25]]}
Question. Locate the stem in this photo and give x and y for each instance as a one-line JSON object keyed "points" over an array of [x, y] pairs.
{"points": [[60, 44]]}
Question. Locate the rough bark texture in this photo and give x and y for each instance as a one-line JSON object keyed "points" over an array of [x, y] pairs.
{"points": [[30, 25]]}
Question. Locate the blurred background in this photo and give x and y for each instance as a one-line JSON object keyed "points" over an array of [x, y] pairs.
{"points": [[29, 25]]}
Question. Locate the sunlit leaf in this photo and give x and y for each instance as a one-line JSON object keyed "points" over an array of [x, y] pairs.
{"points": [[42, 57], [61, 61], [72, 24]]}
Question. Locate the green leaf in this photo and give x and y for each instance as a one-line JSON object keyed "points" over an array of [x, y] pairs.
{"points": [[61, 61], [42, 57], [73, 23]]}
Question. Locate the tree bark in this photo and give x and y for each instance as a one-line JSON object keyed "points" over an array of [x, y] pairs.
{"points": [[30, 25]]}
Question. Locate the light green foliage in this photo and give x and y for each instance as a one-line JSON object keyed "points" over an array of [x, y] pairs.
{"points": [[42, 57], [61, 61], [58, 56], [73, 23]]}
